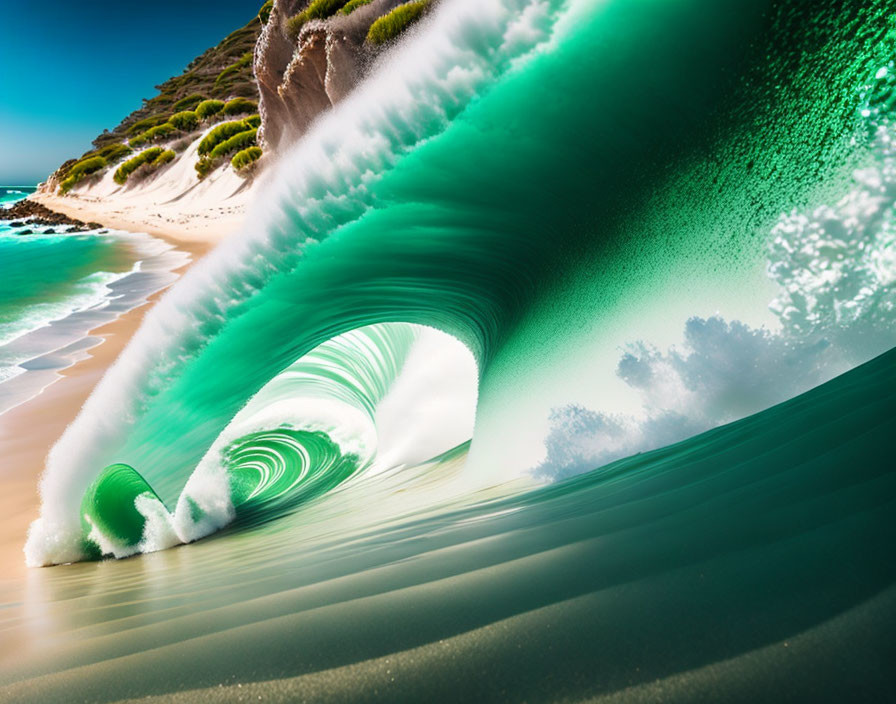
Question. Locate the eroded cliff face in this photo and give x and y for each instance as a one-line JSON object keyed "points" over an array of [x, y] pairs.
{"points": [[300, 78]]}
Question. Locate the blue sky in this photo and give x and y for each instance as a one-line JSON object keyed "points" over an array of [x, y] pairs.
{"points": [[70, 69]]}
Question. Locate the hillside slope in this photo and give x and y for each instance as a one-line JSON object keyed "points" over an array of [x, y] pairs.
{"points": [[195, 148]]}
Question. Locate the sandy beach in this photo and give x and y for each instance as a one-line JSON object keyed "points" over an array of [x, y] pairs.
{"points": [[27, 432], [199, 227]]}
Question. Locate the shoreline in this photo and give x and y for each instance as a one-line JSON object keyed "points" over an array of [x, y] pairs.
{"points": [[28, 431]]}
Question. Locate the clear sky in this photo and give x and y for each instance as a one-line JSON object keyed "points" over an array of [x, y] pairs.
{"points": [[70, 69]]}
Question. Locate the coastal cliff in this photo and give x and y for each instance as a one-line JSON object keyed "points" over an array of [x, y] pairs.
{"points": [[306, 66]]}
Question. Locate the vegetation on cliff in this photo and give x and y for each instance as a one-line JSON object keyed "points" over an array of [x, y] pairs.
{"points": [[221, 76], [163, 158], [389, 26], [207, 108], [113, 153], [220, 73], [189, 103], [147, 157], [153, 134], [73, 171], [240, 106], [232, 72], [81, 169], [185, 121], [353, 5], [244, 160], [316, 10], [221, 133], [241, 140], [145, 124]]}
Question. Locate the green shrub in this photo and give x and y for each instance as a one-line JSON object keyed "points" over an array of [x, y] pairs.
{"points": [[294, 25], [79, 170], [316, 10], [147, 156], [220, 133], [207, 108], [189, 103], [321, 9], [389, 26], [153, 134], [253, 120], [204, 167], [163, 158], [264, 14], [239, 141], [87, 166], [244, 159], [166, 129], [146, 123], [353, 5], [67, 184], [114, 152], [185, 121], [234, 68], [239, 106]]}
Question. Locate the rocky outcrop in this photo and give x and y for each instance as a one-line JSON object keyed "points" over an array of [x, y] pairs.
{"points": [[300, 78], [29, 213]]}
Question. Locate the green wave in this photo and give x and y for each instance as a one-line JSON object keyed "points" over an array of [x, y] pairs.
{"points": [[268, 472], [278, 469], [109, 514]]}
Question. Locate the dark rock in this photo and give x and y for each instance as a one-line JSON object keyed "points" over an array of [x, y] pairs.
{"points": [[25, 232], [49, 231], [39, 214]]}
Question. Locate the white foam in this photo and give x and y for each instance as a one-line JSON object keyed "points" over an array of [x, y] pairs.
{"points": [[431, 408]]}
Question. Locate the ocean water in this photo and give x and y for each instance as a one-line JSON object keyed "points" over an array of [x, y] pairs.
{"points": [[56, 286], [10, 194], [555, 363]]}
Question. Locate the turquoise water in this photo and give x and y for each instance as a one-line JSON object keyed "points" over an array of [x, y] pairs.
{"points": [[553, 363], [55, 287], [43, 274], [10, 194]]}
